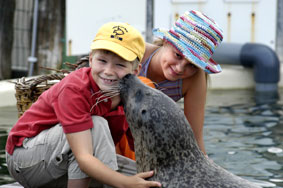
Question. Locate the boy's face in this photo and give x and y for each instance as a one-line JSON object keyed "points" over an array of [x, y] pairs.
{"points": [[107, 68]]}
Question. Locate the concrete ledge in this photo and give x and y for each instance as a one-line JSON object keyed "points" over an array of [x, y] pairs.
{"points": [[7, 93], [12, 185], [236, 77], [232, 77]]}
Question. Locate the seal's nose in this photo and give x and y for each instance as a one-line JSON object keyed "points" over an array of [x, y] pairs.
{"points": [[124, 79], [124, 84], [127, 76]]}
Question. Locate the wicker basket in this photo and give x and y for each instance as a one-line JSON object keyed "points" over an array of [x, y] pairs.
{"points": [[28, 91]]}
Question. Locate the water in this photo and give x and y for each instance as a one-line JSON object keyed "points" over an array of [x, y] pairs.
{"points": [[8, 116], [243, 137]]}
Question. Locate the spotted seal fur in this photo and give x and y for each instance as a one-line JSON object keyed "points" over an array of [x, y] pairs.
{"points": [[164, 141]]}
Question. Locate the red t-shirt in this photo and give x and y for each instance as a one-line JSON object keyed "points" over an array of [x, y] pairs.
{"points": [[69, 103]]}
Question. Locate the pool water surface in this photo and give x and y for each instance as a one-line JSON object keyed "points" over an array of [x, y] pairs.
{"points": [[244, 137]]}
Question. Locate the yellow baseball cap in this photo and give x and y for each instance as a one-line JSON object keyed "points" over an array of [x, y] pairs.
{"points": [[120, 38]]}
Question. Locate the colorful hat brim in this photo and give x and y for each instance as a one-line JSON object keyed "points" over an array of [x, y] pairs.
{"points": [[209, 66]]}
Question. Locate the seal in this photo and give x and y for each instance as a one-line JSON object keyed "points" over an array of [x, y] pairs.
{"points": [[164, 141]]}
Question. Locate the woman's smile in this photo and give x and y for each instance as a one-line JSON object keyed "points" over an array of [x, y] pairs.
{"points": [[174, 72]]}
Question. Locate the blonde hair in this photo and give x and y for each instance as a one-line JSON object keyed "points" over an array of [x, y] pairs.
{"points": [[135, 62], [158, 42]]}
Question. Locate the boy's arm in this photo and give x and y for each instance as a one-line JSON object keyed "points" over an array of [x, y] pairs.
{"points": [[81, 146]]}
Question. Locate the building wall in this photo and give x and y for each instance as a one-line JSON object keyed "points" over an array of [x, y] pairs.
{"points": [[48, 35], [241, 20], [84, 18]]}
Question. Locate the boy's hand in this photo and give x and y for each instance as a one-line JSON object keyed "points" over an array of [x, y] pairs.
{"points": [[138, 181]]}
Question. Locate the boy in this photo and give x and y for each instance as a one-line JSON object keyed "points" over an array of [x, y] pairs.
{"points": [[68, 129]]}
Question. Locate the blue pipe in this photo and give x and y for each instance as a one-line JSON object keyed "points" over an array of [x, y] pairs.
{"points": [[266, 65], [32, 59], [262, 58]]}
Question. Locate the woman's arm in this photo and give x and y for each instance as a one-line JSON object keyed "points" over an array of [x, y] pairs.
{"points": [[195, 89], [81, 146]]}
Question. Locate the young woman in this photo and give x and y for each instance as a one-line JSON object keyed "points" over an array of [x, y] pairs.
{"points": [[179, 66]]}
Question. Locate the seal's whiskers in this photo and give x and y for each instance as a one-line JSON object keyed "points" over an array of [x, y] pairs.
{"points": [[105, 95]]}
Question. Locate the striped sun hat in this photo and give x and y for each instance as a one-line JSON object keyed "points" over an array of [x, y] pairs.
{"points": [[196, 36]]}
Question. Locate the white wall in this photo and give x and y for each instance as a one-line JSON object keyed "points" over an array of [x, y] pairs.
{"points": [[240, 28], [84, 17]]}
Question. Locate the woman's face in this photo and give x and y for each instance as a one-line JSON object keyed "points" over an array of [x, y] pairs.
{"points": [[174, 65]]}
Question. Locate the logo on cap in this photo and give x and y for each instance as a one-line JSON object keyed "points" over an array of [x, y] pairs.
{"points": [[118, 31]]}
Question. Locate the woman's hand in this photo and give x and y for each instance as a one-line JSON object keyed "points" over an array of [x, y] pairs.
{"points": [[138, 181]]}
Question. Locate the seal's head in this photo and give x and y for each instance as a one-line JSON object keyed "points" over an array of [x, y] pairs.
{"points": [[146, 107]]}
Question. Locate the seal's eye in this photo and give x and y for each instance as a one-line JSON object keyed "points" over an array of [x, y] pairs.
{"points": [[143, 112]]}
